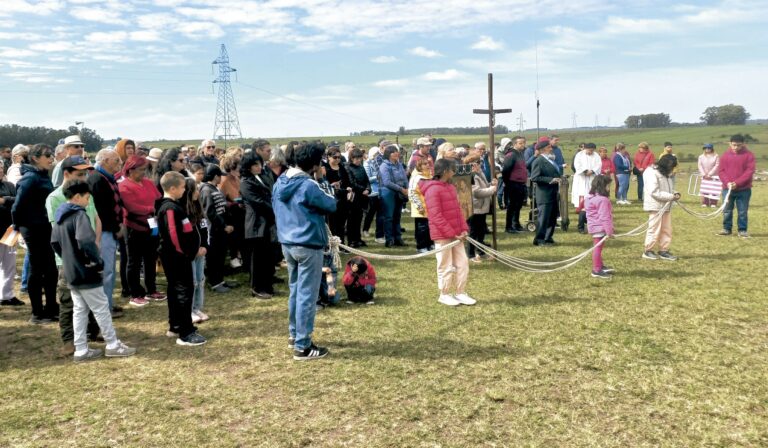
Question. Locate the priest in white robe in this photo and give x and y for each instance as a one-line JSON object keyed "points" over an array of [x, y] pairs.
{"points": [[587, 165]]}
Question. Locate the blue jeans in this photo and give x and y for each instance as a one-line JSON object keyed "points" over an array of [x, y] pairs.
{"points": [[740, 199], [198, 276], [108, 254], [25, 271], [623, 180], [305, 267], [391, 208]]}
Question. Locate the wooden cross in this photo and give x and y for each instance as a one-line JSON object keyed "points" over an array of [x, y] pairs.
{"points": [[490, 153]]}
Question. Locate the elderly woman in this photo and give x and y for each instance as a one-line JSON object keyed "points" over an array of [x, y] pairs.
{"points": [[19, 156], [709, 165], [139, 195], [394, 193], [31, 219], [659, 190]]}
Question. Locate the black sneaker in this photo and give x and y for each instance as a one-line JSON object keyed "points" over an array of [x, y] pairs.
{"points": [[191, 339], [608, 270], [650, 255], [310, 353], [601, 274], [667, 256], [13, 301], [723, 233], [40, 320]]}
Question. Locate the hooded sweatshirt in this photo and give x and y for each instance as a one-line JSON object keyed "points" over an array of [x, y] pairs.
{"points": [[446, 221], [178, 236], [300, 207], [74, 240], [31, 193], [599, 214], [138, 201]]}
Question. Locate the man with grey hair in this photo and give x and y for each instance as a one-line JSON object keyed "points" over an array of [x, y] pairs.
{"points": [[109, 207], [73, 146]]}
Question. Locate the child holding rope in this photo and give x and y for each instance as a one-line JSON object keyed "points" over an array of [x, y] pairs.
{"points": [[599, 222], [446, 225]]}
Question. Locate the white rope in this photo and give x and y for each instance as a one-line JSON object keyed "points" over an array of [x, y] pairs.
{"points": [[711, 215]]}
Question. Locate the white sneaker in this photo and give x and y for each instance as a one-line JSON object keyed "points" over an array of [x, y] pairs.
{"points": [[465, 299], [380, 240], [196, 319], [235, 263], [704, 205], [447, 299]]}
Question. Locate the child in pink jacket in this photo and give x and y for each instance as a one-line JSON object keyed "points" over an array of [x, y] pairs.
{"points": [[599, 222], [446, 225]]}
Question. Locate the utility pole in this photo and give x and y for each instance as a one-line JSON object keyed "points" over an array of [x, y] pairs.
{"points": [[520, 123], [573, 120], [226, 125], [491, 112]]}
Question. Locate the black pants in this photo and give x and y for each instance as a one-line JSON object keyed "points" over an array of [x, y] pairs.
{"points": [[178, 272], [262, 266], [582, 220], [360, 294], [356, 210], [547, 222], [124, 286], [374, 203], [477, 231], [421, 232], [516, 193], [640, 186], [43, 274], [236, 238], [337, 220], [214, 258], [142, 249]]}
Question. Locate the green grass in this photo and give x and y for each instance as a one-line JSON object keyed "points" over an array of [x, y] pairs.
{"points": [[664, 354]]}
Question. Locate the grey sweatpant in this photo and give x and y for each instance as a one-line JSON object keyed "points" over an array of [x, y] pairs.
{"points": [[95, 300]]}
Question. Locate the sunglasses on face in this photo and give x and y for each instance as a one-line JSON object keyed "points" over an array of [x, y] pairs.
{"points": [[210, 147], [335, 157], [47, 154]]}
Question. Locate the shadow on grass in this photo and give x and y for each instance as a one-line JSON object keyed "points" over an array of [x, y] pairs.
{"points": [[535, 300], [426, 348]]}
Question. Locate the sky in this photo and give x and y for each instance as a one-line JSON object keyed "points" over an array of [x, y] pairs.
{"points": [[143, 68]]}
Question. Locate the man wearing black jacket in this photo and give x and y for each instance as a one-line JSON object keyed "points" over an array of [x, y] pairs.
{"points": [[546, 176], [109, 206], [515, 176]]}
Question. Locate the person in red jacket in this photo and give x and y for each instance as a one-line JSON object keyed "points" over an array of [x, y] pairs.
{"points": [[139, 195], [737, 166], [643, 159], [446, 224], [360, 280]]}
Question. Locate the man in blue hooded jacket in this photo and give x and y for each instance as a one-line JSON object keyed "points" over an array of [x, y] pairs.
{"points": [[300, 209]]}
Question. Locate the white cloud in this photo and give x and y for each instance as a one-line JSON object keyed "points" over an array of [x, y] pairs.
{"points": [[9, 52], [145, 36], [447, 75], [200, 30], [390, 83], [108, 37], [20, 36], [487, 43], [54, 46], [39, 7], [383, 59], [424, 53], [95, 14]]}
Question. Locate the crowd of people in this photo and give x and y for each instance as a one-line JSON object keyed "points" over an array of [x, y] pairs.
{"points": [[264, 207]]}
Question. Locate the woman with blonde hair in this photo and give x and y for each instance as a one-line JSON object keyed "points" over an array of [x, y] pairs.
{"points": [[418, 207], [446, 151]]}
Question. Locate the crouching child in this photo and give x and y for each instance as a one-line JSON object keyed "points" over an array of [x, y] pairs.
{"points": [[179, 245], [360, 280], [74, 240]]}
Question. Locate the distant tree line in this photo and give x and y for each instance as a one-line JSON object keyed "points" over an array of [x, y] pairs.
{"points": [[13, 134], [480, 130], [730, 114]]}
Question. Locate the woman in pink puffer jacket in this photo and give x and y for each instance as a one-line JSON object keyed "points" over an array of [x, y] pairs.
{"points": [[447, 224]]}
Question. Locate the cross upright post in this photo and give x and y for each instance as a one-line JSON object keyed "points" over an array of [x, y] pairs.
{"points": [[491, 112]]}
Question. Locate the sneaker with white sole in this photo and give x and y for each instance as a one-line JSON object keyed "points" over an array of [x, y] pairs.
{"points": [[310, 353], [665, 255], [195, 318], [601, 274], [291, 342], [447, 299], [608, 270], [743, 234], [380, 240], [90, 355], [121, 351], [138, 301], [650, 255], [191, 339], [235, 263], [464, 299]]}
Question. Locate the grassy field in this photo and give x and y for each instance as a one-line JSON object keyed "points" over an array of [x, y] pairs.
{"points": [[664, 354], [688, 141]]}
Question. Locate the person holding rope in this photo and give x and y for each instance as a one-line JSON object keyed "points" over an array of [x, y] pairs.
{"points": [[737, 166], [446, 224], [659, 190]]}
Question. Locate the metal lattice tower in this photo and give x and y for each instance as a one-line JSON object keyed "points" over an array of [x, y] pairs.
{"points": [[227, 125]]}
